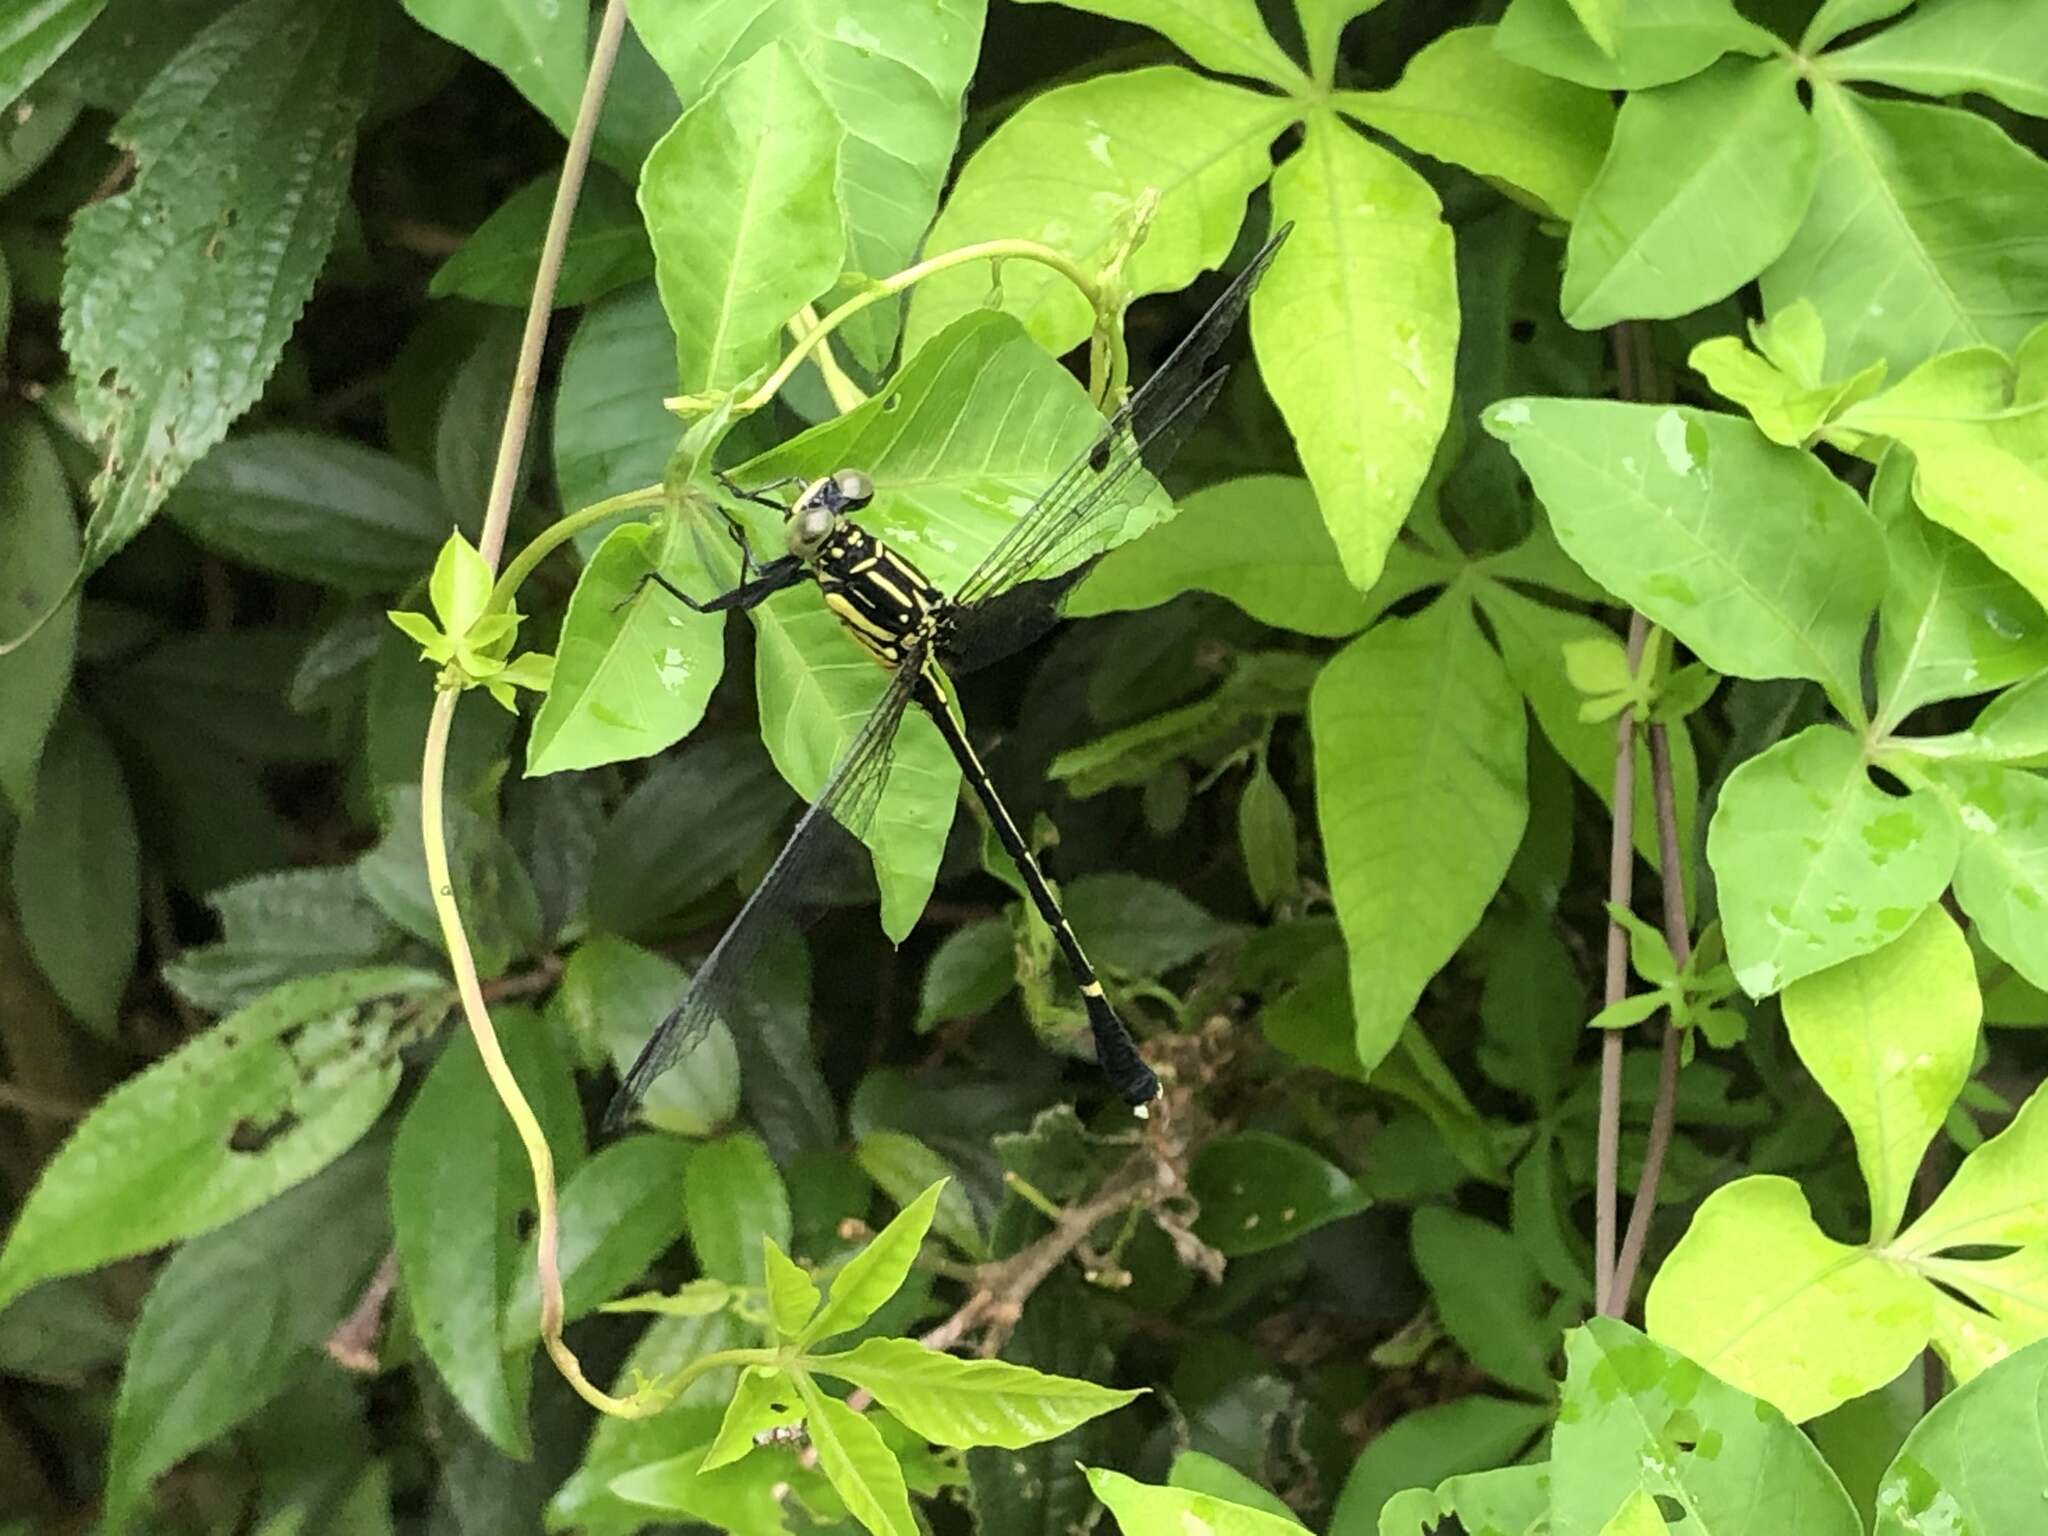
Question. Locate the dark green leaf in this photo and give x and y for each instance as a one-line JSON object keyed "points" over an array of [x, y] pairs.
{"points": [[1422, 1448], [264, 1099], [1976, 1462], [1258, 1191], [38, 553], [733, 1197], [905, 1168], [498, 906], [34, 35], [1138, 927], [607, 247], [973, 969], [279, 927], [1489, 1295], [611, 432], [180, 292], [1266, 832]]}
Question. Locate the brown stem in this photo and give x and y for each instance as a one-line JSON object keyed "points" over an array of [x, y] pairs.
{"points": [[353, 1343], [1678, 936]]}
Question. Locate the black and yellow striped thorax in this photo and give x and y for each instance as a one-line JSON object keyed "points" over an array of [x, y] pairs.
{"points": [[882, 599]]}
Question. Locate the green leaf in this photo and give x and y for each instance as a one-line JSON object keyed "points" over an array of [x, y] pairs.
{"points": [[460, 1191], [1782, 384], [1143, 1508], [1039, 1490], [1202, 145], [1638, 1418], [1195, 1472], [1998, 48], [76, 873], [877, 1272], [1815, 863], [1658, 233], [969, 1402], [733, 1198], [792, 1297], [607, 247], [1899, 267], [34, 35], [611, 432], [1288, 576], [180, 292], [862, 1470], [1266, 834], [236, 1316], [1505, 1499], [1420, 793], [279, 927], [1836, 17], [1951, 623], [613, 994], [539, 48], [1259, 1191], [972, 970], [620, 1210], [766, 1399], [2001, 877], [1752, 554], [1824, 1323], [1977, 1461], [1227, 36], [1356, 330], [744, 1500], [321, 509], [1138, 927], [1654, 41], [1540, 139], [38, 553], [685, 830], [906, 1169], [1424, 1447], [1996, 1196], [740, 203], [499, 908], [892, 76], [1489, 1294], [1890, 1037], [264, 1099]]}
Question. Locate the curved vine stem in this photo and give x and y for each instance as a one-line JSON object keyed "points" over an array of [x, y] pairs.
{"points": [[433, 764], [558, 533]]}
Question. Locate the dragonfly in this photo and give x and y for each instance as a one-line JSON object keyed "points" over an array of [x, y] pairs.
{"points": [[920, 634]]}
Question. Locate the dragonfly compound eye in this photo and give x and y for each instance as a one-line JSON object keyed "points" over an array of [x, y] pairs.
{"points": [[809, 529], [856, 488]]}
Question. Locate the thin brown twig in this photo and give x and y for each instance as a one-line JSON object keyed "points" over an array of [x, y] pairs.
{"points": [[23, 1102], [1678, 936], [353, 1343]]}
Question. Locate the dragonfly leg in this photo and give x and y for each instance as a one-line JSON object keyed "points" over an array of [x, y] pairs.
{"points": [[772, 578], [759, 494]]}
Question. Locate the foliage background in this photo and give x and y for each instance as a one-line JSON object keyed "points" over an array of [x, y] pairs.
{"points": [[1639, 371]]}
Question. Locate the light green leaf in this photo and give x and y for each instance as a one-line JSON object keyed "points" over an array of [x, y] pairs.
{"points": [[634, 668], [1322, 27], [1951, 623], [322, 509], [1783, 395], [538, 47], [1267, 836], [180, 292], [1356, 329], [1890, 1037], [1996, 1197], [34, 35], [264, 1099], [1754, 555], [1426, 1446], [1638, 1516], [1819, 1324], [792, 1298], [877, 1272], [1836, 17], [1977, 1462], [1489, 1294], [1996, 47], [611, 431], [235, 1316], [1987, 1308], [1981, 465], [1899, 266], [893, 76], [741, 203], [1655, 41], [1420, 743], [1227, 36], [766, 1399], [1815, 863], [500, 260], [38, 553], [1655, 236], [1196, 1472], [903, 1166], [1505, 1499], [1259, 541], [620, 1211], [2013, 729], [2002, 874], [1259, 1191], [1145, 1508], [1067, 170], [862, 1470], [733, 1197], [744, 1500], [969, 1402], [76, 874], [459, 1181], [1460, 99]]}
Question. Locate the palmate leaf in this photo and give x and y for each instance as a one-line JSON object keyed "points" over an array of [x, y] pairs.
{"points": [[1653, 42], [1997, 47], [179, 293], [1228, 36]]}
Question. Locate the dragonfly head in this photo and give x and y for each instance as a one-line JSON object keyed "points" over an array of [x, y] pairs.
{"points": [[817, 512]]}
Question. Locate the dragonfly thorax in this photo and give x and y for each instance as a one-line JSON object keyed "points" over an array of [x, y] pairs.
{"points": [[886, 603]]}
